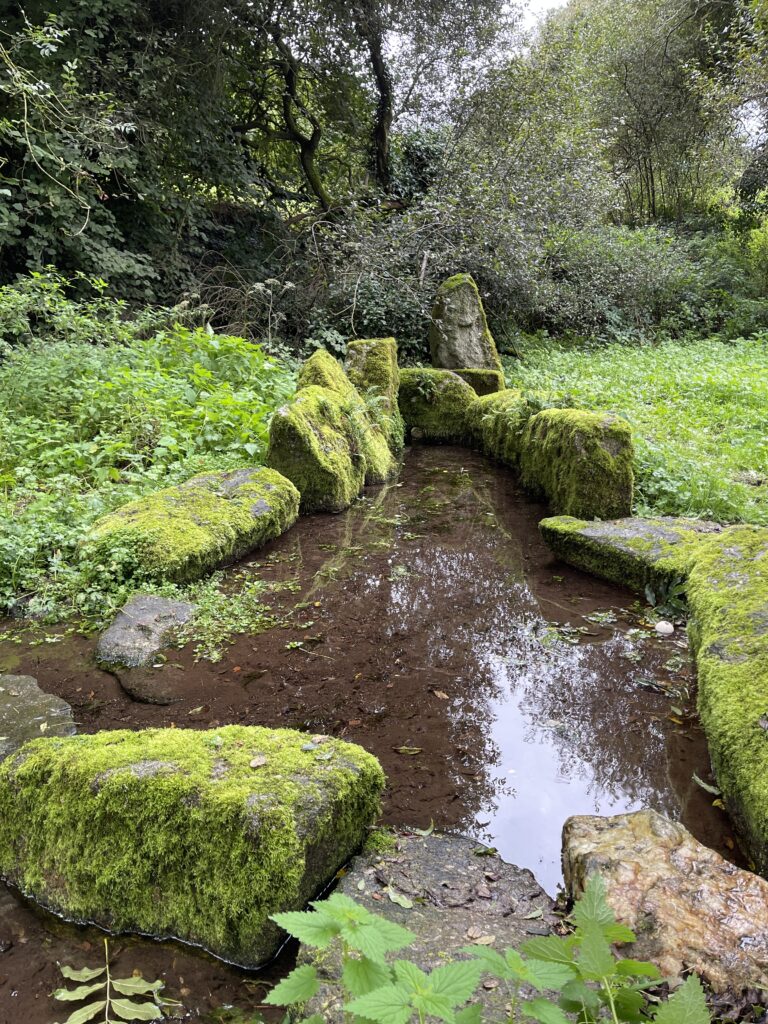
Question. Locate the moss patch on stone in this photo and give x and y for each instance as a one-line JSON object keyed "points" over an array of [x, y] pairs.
{"points": [[181, 533], [459, 335], [483, 382], [175, 832], [371, 365], [496, 425], [436, 403], [326, 444], [580, 462], [322, 370]]}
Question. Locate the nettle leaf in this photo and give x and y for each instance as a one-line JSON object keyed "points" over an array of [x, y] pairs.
{"points": [[493, 962], [86, 1013], [127, 1009], [592, 906], [390, 1004], [74, 995], [551, 948], [377, 938], [310, 927], [136, 986], [456, 982], [629, 1005], [300, 985], [544, 1011], [637, 969], [364, 975], [469, 1015], [687, 1006], [83, 974], [596, 959], [545, 975], [577, 997]]}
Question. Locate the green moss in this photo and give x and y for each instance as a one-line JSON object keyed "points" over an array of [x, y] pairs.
{"points": [[171, 832], [380, 840], [496, 424], [580, 462], [459, 325], [180, 533], [436, 403], [483, 382], [326, 444], [631, 552], [322, 370], [371, 365], [728, 596]]}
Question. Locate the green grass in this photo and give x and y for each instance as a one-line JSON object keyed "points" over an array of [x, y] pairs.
{"points": [[87, 426], [699, 413]]}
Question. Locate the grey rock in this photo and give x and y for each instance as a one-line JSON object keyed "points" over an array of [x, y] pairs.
{"points": [[459, 337], [27, 713], [461, 892], [140, 630]]}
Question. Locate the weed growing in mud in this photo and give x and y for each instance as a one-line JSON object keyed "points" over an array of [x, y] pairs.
{"points": [[592, 983], [110, 1000]]}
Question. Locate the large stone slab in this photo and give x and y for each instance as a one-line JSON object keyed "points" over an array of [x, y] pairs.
{"points": [[435, 405], [371, 365], [690, 908], [140, 629], [483, 382], [461, 893], [181, 533], [181, 833], [27, 713], [633, 552], [459, 337]]}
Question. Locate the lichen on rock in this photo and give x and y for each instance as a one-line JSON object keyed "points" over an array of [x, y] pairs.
{"points": [[181, 533], [199, 835], [459, 337], [580, 462], [371, 365], [436, 403], [483, 382]]}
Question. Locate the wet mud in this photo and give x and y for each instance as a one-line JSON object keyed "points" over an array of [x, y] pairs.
{"points": [[501, 690]]}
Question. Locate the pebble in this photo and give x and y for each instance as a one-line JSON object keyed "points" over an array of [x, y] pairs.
{"points": [[664, 628]]}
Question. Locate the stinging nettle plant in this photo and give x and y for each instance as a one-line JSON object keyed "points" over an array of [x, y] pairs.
{"points": [[551, 980]]}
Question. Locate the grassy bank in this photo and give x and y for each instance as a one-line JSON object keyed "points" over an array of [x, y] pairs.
{"points": [[699, 412]]}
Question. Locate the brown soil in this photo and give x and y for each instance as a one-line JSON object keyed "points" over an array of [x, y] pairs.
{"points": [[435, 629]]}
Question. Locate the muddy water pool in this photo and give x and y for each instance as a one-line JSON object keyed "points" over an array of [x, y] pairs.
{"points": [[502, 691]]}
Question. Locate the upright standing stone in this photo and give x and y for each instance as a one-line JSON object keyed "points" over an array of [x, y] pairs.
{"points": [[459, 337]]}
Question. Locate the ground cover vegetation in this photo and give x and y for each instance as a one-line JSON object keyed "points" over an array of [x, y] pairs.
{"points": [[193, 195]]}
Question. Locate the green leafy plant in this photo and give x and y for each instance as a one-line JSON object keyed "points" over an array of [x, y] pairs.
{"points": [[578, 974], [108, 999], [668, 598]]}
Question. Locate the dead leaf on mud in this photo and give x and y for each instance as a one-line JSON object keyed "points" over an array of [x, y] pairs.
{"points": [[399, 898], [441, 695], [408, 751]]}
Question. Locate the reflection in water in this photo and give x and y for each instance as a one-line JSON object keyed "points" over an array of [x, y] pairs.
{"points": [[545, 715]]}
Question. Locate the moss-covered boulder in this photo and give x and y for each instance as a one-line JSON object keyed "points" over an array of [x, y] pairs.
{"points": [[497, 423], [483, 382], [580, 462], [183, 833], [459, 337], [327, 445], [181, 533], [435, 403], [323, 371], [633, 552], [371, 365]]}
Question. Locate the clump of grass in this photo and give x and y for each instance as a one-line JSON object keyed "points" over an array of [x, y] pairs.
{"points": [[699, 413]]}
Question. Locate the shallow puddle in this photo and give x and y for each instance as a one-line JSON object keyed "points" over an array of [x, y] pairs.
{"points": [[501, 690]]}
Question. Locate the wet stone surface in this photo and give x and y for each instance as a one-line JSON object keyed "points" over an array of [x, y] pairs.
{"points": [[26, 713], [502, 690]]}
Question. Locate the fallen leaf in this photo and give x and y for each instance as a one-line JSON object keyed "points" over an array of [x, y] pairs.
{"points": [[705, 785], [409, 751], [474, 932], [534, 915], [236, 668], [486, 940], [399, 898], [441, 695]]}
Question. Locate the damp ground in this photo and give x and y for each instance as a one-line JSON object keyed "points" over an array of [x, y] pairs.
{"points": [[502, 691]]}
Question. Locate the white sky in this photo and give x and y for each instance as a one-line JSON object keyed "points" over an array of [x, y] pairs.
{"points": [[536, 8]]}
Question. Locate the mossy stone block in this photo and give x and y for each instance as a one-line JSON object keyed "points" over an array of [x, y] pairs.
{"points": [[322, 370], [580, 462], [197, 835], [459, 336], [483, 382], [496, 424], [181, 533], [436, 403], [371, 365]]}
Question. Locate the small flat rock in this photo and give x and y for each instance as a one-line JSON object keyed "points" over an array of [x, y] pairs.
{"points": [[161, 685], [460, 897], [140, 630], [27, 713], [689, 906]]}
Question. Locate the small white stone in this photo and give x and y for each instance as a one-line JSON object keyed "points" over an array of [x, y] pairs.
{"points": [[665, 628]]}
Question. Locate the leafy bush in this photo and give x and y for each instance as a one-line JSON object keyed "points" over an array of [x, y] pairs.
{"points": [[90, 424], [578, 974]]}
